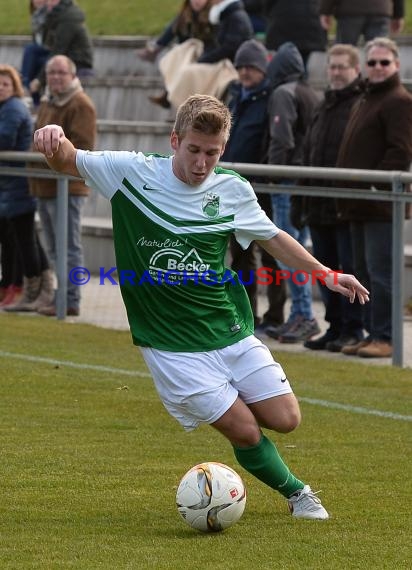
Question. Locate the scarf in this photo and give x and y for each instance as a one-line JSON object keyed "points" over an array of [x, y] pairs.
{"points": [[60, 99]]}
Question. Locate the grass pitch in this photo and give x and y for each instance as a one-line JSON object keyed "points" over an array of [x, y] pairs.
{"points": [[91, 462]]}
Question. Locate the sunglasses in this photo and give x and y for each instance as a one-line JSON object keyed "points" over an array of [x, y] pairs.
{"points": [[382, 62]]}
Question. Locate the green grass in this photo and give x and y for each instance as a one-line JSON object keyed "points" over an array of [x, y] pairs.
{"points": [[91, 461], [125, 17], [104, 17]]}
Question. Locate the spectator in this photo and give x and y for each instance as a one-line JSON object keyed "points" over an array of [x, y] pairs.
{"points": [[247, 143], [357, 18], [17, 207], [35, 54], [331, 238], [192, 21], [296, 22], [290, 110], [180, 67], [378, 136], [69, 106], [233, 27], [65, 33], [255, 9]]}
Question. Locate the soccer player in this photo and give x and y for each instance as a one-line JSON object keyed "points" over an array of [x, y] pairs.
{"points": [[190, 316]]}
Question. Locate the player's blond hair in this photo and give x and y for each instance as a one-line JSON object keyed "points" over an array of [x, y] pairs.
{"points": [[204, 114]]}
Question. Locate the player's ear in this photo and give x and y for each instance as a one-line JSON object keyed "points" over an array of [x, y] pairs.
{"points": [[174, 140]]}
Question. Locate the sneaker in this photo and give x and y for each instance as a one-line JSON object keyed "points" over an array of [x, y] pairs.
{"points": [[343, 340], [376, 349], [304, 504], [276, 332], [302, 330], [321, 342], [352, 349], [13, 295]]}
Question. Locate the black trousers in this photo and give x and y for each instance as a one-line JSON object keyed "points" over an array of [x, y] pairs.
{"points": [[32, 255]]}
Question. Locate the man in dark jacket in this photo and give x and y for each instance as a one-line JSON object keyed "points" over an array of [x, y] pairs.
{"points": [[65, 33], [290, 110], [295, 21], [378, 137], [331, 237], [357, 18], [248, 137]]}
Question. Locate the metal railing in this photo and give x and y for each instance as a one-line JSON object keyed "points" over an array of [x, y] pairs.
{"points": [[398, 196]]}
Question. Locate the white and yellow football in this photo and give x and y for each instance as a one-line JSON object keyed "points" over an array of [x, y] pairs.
{"points": [[211, 497]]}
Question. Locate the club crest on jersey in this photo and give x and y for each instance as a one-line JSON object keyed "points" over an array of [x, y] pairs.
{"points": [[210, 205]]}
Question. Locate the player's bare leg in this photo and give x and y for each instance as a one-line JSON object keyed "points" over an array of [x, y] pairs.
{"points": [[258, 454]]}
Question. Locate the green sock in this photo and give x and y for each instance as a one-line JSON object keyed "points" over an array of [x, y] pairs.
{"points": [[264, 462]]}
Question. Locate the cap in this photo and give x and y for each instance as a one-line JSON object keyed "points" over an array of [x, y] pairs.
{"points": [[252, 53]]}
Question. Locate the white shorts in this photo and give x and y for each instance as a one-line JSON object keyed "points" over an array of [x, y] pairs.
{"points": [[199, 387]]}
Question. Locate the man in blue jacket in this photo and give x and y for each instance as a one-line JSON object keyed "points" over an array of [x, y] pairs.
{"points": [[248, 143]]}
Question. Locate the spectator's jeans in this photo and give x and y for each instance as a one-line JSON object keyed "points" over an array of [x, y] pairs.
{"points": [[301, 293], [34, 58], [350, 28], [332, 246], [48, 215], [372, 255]]}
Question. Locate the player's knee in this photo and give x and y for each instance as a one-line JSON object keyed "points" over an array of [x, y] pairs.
{"points": [[289, 421]]}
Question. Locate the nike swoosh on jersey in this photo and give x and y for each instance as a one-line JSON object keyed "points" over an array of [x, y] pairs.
{"points": [[146, 187]]}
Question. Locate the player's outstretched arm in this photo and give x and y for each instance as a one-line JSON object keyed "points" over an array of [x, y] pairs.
{"points": [[287, 250], [58, 150]]}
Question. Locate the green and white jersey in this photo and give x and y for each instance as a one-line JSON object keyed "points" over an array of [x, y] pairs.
{"points": [[170, 242]]}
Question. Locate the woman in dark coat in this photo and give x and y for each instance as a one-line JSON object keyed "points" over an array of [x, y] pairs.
{"points": [[17, 206]]}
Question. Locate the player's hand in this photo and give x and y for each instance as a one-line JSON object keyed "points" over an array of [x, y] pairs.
{"points": [[348, 286], [47, 140]]}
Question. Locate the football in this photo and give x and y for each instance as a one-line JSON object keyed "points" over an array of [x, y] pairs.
{"points": [[211, 497]]}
